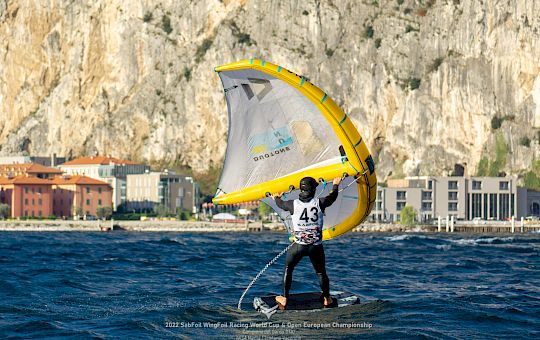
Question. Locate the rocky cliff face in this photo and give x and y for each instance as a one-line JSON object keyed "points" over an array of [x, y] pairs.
{"points": [[428, 83]]}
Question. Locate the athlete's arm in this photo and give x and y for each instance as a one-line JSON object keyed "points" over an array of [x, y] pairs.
{"points": [[327, 201], [284, 205]]}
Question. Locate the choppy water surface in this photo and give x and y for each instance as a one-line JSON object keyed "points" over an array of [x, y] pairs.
{"points": [[161, 285]]}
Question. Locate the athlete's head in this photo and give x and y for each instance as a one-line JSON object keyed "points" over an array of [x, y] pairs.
{"points": [[308, 187]]}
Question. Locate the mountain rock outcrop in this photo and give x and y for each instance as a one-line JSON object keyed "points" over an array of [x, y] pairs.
{"points": [[428, 83]]}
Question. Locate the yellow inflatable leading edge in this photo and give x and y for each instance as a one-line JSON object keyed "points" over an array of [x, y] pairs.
{"points": [[358, 162]]}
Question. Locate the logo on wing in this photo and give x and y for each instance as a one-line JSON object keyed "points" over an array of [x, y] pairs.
{"points": [[270, 143]]}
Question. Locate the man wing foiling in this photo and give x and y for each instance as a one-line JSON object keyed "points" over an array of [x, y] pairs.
{"points": [[307, 213]]}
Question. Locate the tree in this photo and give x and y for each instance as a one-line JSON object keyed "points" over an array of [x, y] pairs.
{"points": [[103, 212], [264, 210], [166, 24], [77, 211], [407, 215], [183, 214], [4, 211], [161, 210], [147, 17]]}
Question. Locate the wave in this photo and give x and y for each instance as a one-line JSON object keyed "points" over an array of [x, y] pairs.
{"points": [[172, 241], [481, 240], [398, 238]]}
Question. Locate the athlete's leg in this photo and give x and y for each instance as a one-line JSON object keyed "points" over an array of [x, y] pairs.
{"points": [[294, 255], [316, 255]]}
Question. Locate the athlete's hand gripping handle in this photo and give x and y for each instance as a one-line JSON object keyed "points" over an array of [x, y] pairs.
{"points": [[337, 181], [277, 194]]}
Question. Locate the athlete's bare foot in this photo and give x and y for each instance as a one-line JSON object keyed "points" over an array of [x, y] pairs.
{"points": [[328, 301], [281, 301]]}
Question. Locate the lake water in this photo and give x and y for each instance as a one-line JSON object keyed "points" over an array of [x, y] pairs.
{"points": [[162, 285]]}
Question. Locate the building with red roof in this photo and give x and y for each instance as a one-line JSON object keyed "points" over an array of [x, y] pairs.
{"points": [[61, 196], [26, 196], [98, 160], [109, 169], [31, 169], [80, 195]]}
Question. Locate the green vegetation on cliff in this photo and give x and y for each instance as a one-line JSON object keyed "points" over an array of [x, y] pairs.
{"points": [[487, 167], [531, 180]]}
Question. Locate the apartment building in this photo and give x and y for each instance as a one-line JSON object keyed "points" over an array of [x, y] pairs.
{"points": [[112, 170], [62, 196], [79, 195], [144, 191], [26, 196], [30, 169], [489, 198]]}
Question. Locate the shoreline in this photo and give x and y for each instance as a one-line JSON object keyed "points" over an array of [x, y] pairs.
{"points": [[206, 226]]}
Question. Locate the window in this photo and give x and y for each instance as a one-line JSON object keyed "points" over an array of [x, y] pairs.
{"points": [[430, 185], [39, 213], [426, 195], [87, 190], [452, 185], [87, 202], [99, 201], [39, 190], [485, 206], [452, 195], [401, 195], [99, 190], [26, 191], [26, 213], [512, 199], [33, 201], [400, 205], [379, 205], [33, 214], [503, 185], [468, 206], [493, 206], [26, 201], [40, 202], [426, 205], [33, 191], [504, 208], [476, 205], [476, 185], [452, 206]]}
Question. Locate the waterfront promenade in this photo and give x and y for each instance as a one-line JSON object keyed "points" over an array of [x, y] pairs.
{"points": [[206, 226]]}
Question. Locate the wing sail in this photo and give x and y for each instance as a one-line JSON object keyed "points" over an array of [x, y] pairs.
{"points": [[283, 128]]}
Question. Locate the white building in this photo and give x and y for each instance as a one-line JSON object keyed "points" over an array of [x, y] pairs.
{"points": [[173, 191], [465, 198]]}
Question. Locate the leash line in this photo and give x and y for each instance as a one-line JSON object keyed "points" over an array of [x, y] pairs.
{"points": [[261, 272]]}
